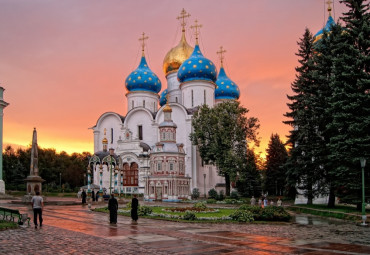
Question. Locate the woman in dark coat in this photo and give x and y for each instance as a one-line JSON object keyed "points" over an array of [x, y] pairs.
{"points": [[83, 195], [112, 207], [134, 207]]}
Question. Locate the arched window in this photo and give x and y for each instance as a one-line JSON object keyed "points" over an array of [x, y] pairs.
{"points": [[144, 103], [126, 172], [192, 98]]}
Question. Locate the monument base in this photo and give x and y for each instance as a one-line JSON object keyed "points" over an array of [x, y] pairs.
{"points": [[2, 187]]}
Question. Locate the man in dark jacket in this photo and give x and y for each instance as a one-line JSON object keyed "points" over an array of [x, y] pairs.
{"points": [[113, 207]]}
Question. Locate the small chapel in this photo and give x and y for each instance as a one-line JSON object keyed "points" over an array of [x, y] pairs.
{"points": [[148, 150]]}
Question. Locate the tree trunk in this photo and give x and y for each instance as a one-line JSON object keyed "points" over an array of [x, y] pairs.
{"points": [[309, 193], [331, 202], [227, 182]]}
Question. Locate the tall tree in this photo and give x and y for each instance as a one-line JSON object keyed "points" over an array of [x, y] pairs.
{"points": [[221, 134], [300, 168], [276, 157], [248, 181], [349, 103]]}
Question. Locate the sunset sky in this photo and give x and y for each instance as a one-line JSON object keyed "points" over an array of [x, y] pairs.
{"points": [[63, 63]]}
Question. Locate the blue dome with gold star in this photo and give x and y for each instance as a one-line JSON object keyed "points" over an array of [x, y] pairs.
{"points": [[143, 79], [163, 99], [329, 23], [226, 88], [197, 67]]}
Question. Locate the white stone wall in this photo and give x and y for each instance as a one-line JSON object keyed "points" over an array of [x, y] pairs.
{"points": [[194, 93], [173, 88], [109, 121], [148, 100]]}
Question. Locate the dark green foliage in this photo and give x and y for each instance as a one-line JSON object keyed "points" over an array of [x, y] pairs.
{"points": [[275, 180], [234, 194], [144, 210], [16, 167], [211, 201], [195, 194], [249, 181], [221, 134], [242, 216], [189, 216], [269, 213], [221, 195], [200, 205], [212, 194]]}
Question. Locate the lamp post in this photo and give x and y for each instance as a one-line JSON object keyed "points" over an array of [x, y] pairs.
{"points": [[204, 175], [363, 164], [111, 153]]}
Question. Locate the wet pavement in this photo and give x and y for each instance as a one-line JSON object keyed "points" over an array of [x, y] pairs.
{"points": [[77, 230]]}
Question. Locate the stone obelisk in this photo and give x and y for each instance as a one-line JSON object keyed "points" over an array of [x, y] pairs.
{"points": [[3, 104], [34, 181]]}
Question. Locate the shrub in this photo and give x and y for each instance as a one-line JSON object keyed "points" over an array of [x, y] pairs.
{"points": [[231, 201], [242, 216], [234, 194], [195, 194], [144, 210], [128, 205], [212, 194], [221, 196], [211, 201], [189, 216], [200, 205]]}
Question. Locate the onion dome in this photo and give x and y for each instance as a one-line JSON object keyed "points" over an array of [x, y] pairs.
{"points": [[177, 55], [225, 88], [327, 28], [197, 67], [163, 99], [143, 79]]}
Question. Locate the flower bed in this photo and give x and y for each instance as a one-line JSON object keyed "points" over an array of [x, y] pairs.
{"points": [[189, 209]]}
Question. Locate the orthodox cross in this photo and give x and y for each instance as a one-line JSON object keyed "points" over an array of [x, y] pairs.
{"points": [[329, 2], [221, 52], [143, 38], [196, 28], [182, 16]]}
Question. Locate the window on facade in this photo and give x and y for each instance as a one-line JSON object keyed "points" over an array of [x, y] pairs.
{"points": [[143, 103], [163, 135], [192, 98], [176, 100], [130, 174], [111, 135], [140, 132], [204, 92], [171, 166], [159, 166]]}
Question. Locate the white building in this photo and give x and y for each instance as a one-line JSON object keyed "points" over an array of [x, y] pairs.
{"points": [[191, 81]]}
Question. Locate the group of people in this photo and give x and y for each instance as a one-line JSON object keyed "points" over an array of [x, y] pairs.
{"points": [[263, 202], [82, 194], [113, 208]]}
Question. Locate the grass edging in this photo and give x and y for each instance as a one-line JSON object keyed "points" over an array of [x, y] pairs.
{"points": [[4, 225], [325, 213]]}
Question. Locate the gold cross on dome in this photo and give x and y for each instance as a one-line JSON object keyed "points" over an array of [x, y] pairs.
{"points": [[182, 16], [196, 28], [329, 2], [221, 52], [143, 38]]}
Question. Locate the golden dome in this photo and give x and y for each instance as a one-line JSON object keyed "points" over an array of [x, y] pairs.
{"points": [[177, 55], [167, 108], [105, 140]]}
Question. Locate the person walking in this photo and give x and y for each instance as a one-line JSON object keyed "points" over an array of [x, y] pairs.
{"points": [[265, 202], [37, 203], [134, 207], [113, 208], [93, 196], [83, 195]]}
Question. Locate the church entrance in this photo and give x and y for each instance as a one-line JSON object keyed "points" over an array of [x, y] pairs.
{"points": [[158, 192]]}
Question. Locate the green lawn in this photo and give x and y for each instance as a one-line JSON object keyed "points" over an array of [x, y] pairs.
{"points": [[221, 212], [338, 208]]}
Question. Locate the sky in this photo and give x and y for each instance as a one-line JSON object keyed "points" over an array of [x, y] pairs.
{"points": [[64, 63]]}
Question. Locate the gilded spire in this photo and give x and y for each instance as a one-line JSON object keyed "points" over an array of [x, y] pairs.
{"points": [[167, 108], [182, 16], [329, 2], [105, 140], [143, 38], [196, 27], [221, 52]]}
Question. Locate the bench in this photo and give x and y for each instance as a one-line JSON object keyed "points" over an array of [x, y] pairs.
{"points": [[11, 215]]}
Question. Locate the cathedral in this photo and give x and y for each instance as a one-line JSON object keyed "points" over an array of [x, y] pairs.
{"points": [[148, 150]]}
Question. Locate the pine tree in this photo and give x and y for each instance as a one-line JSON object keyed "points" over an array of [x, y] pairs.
{"points": [[350, 100], [301, 168], [275, 180]]}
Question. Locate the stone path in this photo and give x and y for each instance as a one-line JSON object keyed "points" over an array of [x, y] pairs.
{"points": [[77, 230]]}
